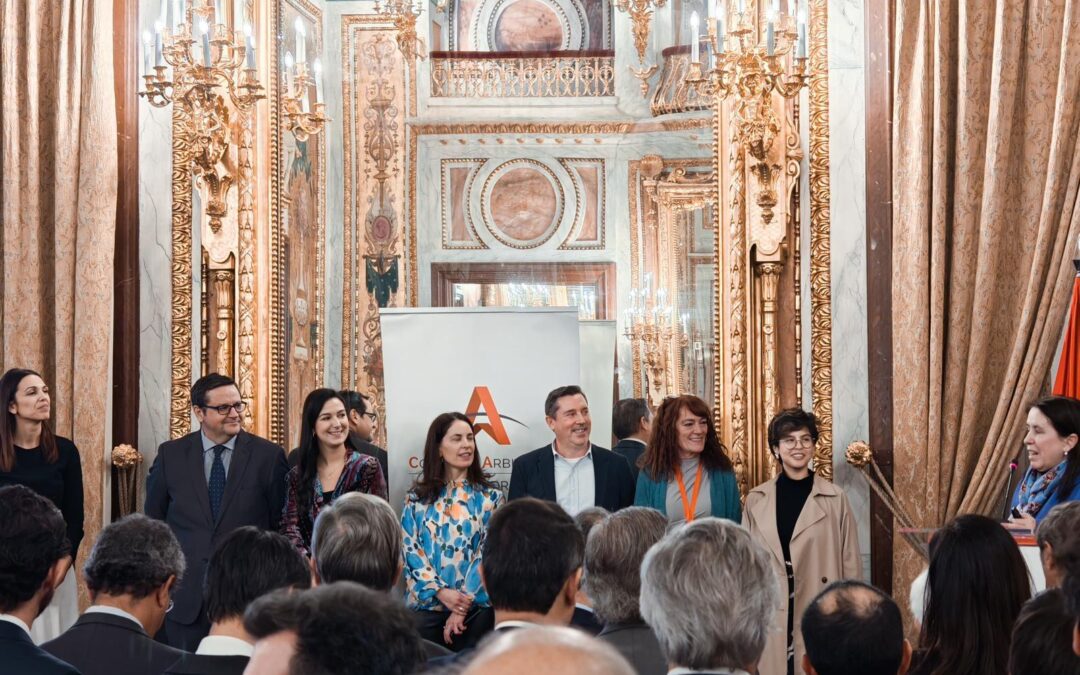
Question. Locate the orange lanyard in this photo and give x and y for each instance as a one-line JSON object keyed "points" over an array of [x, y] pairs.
{"points": [[689, 504]]}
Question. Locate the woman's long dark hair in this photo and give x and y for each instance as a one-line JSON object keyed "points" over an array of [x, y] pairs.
{"points": [[9, 385], [1064, 415], [309, 445], [429, 483], [662, 453], [976, 586]]}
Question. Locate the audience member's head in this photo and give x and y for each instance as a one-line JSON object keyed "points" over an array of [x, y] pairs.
{"points": [[1071, 564], [587, 519], [613, 555], [631, 419], [709, 593], [357, 538], [1059, 538], [532, 561], [852, 628], [135, 564], [34, 552], [341, 628], [976, 586], [1042, 638], [547, 650], [362, 416], [246, 565]]}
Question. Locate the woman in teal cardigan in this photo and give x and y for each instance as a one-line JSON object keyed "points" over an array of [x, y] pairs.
{"points": [[685, 471]]}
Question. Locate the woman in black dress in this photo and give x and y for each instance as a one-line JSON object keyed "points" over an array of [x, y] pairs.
{"points": [[31, 455]]}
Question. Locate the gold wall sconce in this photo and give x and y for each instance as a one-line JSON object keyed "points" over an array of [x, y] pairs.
{"points": [[201, 61], [303, 118]]}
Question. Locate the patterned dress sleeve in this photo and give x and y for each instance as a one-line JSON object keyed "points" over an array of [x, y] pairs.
{"points": [[290, 516], [421, 582], [474, 585], [373, 479]]}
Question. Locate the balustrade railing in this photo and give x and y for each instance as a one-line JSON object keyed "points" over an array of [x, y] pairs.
{"points": [[568, 74], [673, 93]]}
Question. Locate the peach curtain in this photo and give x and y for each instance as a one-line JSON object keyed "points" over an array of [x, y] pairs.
{"points": [[58, 200], [985, 216]]}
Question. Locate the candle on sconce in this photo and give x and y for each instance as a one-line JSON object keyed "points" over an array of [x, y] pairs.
{"points": [[177, 16], [317, 70], [219, 12], [288, 71], [163, 15], [301, 48], [205, 29], [802, 37], [148, 46], [159, 57], [695, 43], [721, 19], [250, 44], [770, 34], [742, 8]]}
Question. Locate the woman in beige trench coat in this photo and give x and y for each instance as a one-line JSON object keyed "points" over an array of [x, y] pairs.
{"points": [[806, 523]]}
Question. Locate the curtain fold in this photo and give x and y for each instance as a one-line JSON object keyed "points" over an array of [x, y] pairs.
{"points": [[987, 169], [58, 204]]}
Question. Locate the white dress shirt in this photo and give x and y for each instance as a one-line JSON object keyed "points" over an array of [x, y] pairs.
{"points": [[115, 611], [575, 482], [11, 618], [223, 645]]}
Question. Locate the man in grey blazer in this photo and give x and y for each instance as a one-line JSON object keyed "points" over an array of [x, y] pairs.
{"points": [[207, 484]]}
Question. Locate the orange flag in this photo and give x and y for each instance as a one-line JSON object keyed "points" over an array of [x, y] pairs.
{"points": [[1068, 375]]}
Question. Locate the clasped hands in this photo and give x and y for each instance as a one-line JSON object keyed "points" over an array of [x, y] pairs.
{"points": [[458, 604]]}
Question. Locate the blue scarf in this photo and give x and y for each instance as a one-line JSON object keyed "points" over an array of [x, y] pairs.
{"points": [[1036, 488]]}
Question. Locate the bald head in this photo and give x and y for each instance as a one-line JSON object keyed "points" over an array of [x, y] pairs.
{"points": [[547, 651], [852, 627]]}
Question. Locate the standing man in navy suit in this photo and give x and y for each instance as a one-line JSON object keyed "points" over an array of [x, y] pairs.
{"points": [[207, 484], [572, 471]]}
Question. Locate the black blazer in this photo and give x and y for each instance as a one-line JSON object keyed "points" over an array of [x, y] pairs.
{"points": [[19, 654], [104, 644], [361, 446], [631, 451], [585, 620], [533, 475], [176, 492], [205, 664]]}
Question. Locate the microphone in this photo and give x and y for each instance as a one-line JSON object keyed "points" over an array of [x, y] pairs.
{"points": [[1008, 487]]}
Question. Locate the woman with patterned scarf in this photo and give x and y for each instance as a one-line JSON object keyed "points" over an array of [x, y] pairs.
{"points": [[328, 467], [1053, 430]]}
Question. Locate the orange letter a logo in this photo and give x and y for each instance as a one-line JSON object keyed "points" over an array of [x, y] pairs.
{"points": [[481, 403]]}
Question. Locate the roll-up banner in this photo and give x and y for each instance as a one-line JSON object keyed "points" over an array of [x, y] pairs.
{"points": [[496, 363]]}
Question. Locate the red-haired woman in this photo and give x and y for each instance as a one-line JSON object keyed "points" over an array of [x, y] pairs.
{"points": [[685, 471], [31, 455]]}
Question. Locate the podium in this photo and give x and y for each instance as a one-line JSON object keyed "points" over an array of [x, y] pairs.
{"points": [[1029, 549]]}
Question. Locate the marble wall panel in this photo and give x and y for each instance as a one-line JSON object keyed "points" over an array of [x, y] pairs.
{"points": [[155, 259], [847, 113]]}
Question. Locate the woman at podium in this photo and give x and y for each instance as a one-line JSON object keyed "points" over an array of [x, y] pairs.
{"points": [[1053, 475]]}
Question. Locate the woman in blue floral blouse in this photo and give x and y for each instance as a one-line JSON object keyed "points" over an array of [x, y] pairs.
{"points": [[445, 520]]}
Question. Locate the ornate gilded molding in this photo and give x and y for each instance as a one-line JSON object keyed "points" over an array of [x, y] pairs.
{"points": [[223, 280], [794, 157], [769, 273], [559, 128], [246, 365], [179, 405], [494, 76], [736, 265], [820, 227]]}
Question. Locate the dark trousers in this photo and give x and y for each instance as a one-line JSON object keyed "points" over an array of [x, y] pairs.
{"points": [[478, 623], [184, 636]]}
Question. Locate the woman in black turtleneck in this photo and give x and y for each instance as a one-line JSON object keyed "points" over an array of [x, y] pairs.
{"points": [[31, 455], [806, 523]]}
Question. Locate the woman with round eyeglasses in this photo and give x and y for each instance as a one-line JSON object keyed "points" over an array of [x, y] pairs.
{"points": [[806, 523], [31, 455], [328, 467]]}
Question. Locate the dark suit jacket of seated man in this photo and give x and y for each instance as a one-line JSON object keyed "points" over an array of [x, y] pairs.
{"points": [[177, 491], [559, 472]]}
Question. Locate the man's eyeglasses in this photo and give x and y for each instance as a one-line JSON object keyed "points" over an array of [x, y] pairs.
{"points": [[224, 409], [372, 416]]}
